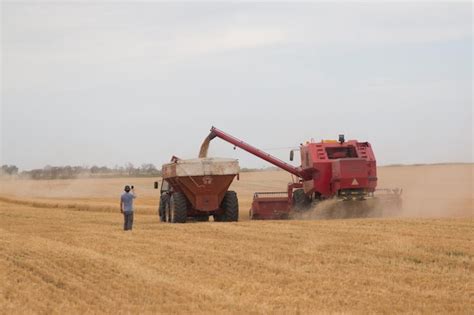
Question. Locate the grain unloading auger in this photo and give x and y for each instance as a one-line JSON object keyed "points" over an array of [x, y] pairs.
{"points": [[340, 169]]}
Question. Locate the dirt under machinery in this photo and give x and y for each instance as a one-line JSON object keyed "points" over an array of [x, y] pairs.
{"points": [[345, 170]]}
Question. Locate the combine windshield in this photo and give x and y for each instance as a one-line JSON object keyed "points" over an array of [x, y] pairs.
{"points": [[341, 152]]}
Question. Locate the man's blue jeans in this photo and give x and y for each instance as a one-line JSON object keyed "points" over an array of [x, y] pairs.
{"points": [[127, 220]]}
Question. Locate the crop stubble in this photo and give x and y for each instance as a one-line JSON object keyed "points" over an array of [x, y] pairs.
{"points": [[57, 258]]}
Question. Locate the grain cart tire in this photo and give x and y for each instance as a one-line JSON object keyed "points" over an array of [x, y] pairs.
{"points": [[300, 200], [178, 208], [162, 208], [230, 205], [218, 217]]}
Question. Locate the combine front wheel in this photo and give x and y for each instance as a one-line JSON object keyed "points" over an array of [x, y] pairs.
{"points": [[300, 200]]}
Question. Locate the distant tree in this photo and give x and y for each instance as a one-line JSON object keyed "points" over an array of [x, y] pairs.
{"points": [[131, 170], [66, 172], [148, 169], [36, 174], [104, 170], [8, 170], [13, 170], [119, 170]]}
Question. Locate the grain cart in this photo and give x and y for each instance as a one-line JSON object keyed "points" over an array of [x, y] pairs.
{"points": [[329, 169], [197, 188]]}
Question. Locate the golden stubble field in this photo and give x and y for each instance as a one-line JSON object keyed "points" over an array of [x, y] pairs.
{"points": [[62, 250]]}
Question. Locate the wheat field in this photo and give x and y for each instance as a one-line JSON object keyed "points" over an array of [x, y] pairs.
{"points": [[62, 250]]}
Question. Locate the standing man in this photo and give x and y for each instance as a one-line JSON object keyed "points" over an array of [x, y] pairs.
{"points": [[126, 207]]}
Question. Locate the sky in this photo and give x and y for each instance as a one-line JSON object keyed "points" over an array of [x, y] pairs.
{"points": [[108, 83]]}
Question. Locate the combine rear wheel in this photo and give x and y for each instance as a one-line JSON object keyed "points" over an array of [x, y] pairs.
{"points": [[178, 208], [230, 205], [300, 200]]}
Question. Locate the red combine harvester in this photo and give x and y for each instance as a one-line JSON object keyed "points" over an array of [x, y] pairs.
{"points": [[329, 169]]}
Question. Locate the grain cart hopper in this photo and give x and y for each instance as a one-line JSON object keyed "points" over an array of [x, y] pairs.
{"points": [[197, 188], [329, 169]]}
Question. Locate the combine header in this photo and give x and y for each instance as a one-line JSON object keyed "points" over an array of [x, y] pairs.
{"points": [[329, 169]]}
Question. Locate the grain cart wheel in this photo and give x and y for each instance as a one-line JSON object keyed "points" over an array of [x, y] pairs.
{"points": [[178, 208], [230, 205], [300, 200], [218, 217], [162, 208]]}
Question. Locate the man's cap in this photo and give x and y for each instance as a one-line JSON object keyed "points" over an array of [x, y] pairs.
{"points": [[127, 188]]}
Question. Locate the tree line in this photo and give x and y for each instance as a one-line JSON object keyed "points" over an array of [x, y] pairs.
{"points": [[71, 172]]}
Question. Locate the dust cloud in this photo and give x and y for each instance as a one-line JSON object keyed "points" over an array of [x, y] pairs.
{"points": [[84, 194], [345, 209], [410, 207], [429, 191], [81, 188]]}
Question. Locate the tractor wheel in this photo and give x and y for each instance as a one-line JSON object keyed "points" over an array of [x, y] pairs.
{"points": [[300, 200], [162, 208], [230, 205], [178, 208]]}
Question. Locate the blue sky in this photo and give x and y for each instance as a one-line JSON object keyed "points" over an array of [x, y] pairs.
{"points": [[110, 83]]}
